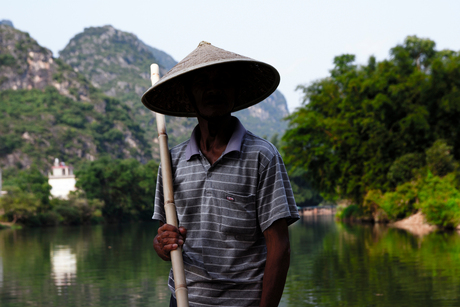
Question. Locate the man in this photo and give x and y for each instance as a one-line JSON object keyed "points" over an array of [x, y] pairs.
{"points": [[232, 193]]}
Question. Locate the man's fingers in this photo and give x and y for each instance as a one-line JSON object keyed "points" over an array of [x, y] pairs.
{"points": [[183, 232], [167, 227], [167, 236], [170, 240]]}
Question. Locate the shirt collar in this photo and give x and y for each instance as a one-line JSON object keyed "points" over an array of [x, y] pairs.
{"points": [[234, 144]]}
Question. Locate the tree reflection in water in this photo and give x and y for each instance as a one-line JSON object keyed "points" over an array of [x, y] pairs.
{"points": [[112, 265], [332, 265], [371, 265]]}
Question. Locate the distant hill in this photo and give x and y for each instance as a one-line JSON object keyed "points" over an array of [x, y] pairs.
{"points": [[49, 110], [118, 63], [6, 22], [86, 103]]}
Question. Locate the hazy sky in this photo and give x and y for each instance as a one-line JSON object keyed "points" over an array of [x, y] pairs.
{"points": [[299, 38]]}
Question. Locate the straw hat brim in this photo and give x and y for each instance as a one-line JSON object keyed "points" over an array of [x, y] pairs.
{"points": [[256, 81]]}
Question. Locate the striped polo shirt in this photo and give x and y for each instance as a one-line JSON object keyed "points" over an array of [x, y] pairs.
{"points": [[225, 208]]}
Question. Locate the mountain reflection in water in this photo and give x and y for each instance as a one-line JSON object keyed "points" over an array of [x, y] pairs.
{"points": [[332, 264]]}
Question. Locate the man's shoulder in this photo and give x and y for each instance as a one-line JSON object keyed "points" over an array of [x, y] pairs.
{"points": [[255, 144], [179, 150]]}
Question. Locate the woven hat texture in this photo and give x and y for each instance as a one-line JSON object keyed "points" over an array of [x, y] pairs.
{"points": [[256, 81]]}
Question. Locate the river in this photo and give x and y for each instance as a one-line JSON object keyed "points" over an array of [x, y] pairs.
{"points": [[332, 264]]}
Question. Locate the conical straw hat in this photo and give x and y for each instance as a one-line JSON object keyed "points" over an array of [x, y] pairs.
{"points": [[257, 80]]}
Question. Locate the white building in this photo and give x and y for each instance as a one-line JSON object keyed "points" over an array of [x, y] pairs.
{"points": [[62, 179]]}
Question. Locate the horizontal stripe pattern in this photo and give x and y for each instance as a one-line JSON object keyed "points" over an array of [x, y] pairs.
{"points": [[226, 207]]}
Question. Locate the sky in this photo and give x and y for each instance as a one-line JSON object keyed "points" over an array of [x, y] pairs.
{"points": [[299, 38]]}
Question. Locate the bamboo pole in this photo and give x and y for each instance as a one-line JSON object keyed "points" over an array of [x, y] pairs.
{"points": [[170, 208]]}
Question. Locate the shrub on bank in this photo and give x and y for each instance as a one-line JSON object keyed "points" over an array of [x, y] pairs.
{"points": [[109, 190], [50, 218], [437, 197], [439, 200], [348, 212], [127, 187], [24, 208], [77, 209], [398, 204], [18, 204]]}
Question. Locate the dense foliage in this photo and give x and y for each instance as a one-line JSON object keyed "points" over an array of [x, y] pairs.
{"points": [[110, 190], [125, 186], [305, 195], [42, 125], [29, 202], [366, 127]]}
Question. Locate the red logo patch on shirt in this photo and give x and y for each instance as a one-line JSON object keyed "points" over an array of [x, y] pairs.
{"points": [[230, 198]]}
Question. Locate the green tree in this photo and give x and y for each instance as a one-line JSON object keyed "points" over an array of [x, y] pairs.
{"points": [[357, 122], [125, 186], [18, 204], [32, 181], [439, 158]]}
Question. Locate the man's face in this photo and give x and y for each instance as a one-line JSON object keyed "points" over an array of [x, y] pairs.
{"points": [[213, 91]]}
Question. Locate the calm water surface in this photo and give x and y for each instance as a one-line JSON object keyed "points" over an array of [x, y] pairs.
{"points": [[331, 265]]}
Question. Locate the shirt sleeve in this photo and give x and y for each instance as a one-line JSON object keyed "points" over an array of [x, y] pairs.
{"points": [[159, 211], [275, 199]]}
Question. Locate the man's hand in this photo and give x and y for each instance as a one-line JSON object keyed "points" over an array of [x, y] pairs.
{"points": [[168, 238]]}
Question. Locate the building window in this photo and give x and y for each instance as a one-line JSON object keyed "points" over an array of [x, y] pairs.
{"points": [[63, 171]]}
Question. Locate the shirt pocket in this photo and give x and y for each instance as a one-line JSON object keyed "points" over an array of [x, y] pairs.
{"points": [[238, 214]]}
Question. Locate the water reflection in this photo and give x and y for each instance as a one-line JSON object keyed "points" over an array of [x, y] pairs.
{"points": [[371, 265], [331, 265], [63, 265]]}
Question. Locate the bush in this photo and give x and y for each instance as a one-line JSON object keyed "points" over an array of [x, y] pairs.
{"points": [[400, 203], [348, 212], [30, 220], [440, 201], [50, 218], [96, 217], [402, 169], [439, 159], [32, 181], [397, 205], [77, 209], [126, 187], [70, 215], [18, 204]]}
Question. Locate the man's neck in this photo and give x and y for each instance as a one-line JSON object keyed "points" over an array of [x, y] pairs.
{"points": [[214, 136]]}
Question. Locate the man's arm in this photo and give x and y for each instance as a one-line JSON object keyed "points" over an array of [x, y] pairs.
{"points": [[277, 265]]}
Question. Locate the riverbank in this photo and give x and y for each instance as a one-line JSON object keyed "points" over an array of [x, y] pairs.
{"points": [[318, 210], [6, 225], [416, 224]]}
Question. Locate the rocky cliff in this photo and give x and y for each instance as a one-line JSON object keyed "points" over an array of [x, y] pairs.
{"points": [[26, 65], [50, 110]]}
